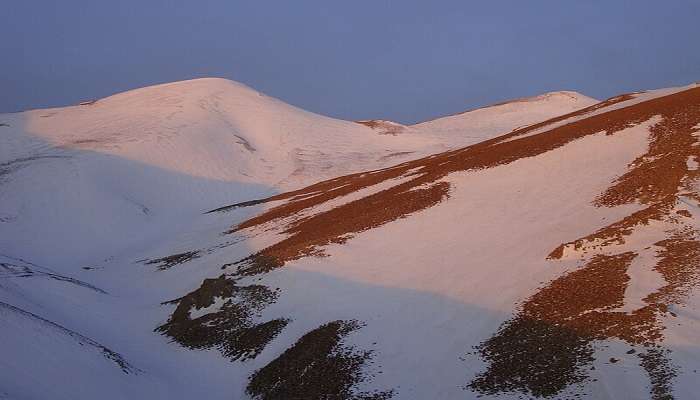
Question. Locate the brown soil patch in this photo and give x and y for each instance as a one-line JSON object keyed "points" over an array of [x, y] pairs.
{"points": [[547, 346], [317, 366], [334, 226], [383, 127], [679, 264], [396, 154], [168, 262], [239, 205], [230, 329], [614, 234], [684, 213], [657, 175], [372, 123], [657, 363]]}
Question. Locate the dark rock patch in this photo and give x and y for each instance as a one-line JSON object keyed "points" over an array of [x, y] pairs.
{"points": [[168, 262], [318, 366], [231, 328]]}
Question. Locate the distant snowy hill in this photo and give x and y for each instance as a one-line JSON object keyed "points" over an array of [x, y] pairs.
{"points": [[484, 123], [201, 240], [487, 122]]}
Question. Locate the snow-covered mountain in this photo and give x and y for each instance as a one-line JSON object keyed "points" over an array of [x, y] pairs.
{"points": [[149, 160], [172, 242]]}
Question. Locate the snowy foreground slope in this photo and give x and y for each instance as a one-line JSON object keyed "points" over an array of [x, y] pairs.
{"points": [[557, 260]]}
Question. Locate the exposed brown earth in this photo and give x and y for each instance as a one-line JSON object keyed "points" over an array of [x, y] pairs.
{"points": [[657, 364], [396, 154], [317, 366], [614, 234], [334, 226], [679, 264], [548, 344], [238, 205], [231, 328], [372, 123], [383, 127], [168, 262]]}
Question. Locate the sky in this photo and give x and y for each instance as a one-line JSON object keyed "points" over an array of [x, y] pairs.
{"points": [[406, 60]]}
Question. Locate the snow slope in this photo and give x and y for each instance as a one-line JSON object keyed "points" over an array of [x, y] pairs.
{"points": [[488, 122], [484, 123], [557, 260]]}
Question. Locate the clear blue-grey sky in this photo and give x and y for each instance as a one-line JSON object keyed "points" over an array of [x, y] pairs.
{"points": [[402, 60]]}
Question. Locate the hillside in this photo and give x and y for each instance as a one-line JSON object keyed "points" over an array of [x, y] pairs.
{"points": [[552, 255], [487, 122], [148, 161], [484, 123]]}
